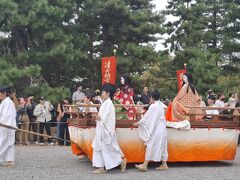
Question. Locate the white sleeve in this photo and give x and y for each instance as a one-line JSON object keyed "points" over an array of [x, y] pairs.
{"points": [[107, 124], [8, 115], [37, 111], [145, 124], [148, 115], [106, 113]]}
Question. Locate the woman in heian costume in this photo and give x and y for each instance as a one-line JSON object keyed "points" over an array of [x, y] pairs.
{"points": [[187, 96], [124, 96]]}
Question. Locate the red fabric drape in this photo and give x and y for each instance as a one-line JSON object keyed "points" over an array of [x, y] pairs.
{"points": [[169, 112]]}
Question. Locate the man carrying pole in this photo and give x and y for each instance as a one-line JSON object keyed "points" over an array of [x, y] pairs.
{"points": [[7, 136]]}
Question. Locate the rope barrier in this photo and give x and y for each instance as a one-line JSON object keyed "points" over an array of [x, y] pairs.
{"points": [[35, 133], [37, 122]]}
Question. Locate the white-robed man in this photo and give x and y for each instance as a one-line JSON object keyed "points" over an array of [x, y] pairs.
{"points": [[7, 136], [152, 130], [106, 151]]}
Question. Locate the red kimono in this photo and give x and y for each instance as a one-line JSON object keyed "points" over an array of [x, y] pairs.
{"points": [[125, 97]]}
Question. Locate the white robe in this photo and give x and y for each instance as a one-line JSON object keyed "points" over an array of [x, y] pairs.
{"points": [[106, 151], [7, 136], [152, 130]]}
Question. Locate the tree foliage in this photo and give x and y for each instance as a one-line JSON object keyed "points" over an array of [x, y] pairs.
{"points": [[50, 43], [205, 35], [67, 38]]}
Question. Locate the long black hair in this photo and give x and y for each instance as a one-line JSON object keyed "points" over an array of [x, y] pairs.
{"points": [[190, 83], [127, 83], [126, 80]]}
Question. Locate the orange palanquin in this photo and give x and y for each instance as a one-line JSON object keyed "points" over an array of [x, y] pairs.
{"points": [[212, 140]]}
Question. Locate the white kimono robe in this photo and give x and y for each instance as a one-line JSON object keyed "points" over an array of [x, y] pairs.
{"points": [[152, 130], [7, 136], [106, 151]]}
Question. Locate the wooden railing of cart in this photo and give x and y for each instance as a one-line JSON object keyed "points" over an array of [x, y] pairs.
{"points": [[87, 119], [222, 120]]}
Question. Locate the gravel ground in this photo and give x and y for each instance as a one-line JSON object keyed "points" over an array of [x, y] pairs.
{"points": [[54, 162]]}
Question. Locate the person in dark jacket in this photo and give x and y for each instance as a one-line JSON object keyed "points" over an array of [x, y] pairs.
{"points": [[32, 119], [145, 98], [63, 126]]}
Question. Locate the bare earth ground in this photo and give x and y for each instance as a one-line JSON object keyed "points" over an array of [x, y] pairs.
{"points": [[55, 162]]}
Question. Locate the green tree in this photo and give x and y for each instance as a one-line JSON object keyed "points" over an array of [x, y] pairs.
{"points": [[10, 74], [209, 26], [67, 38], [38, 42], [204, 69], [161, 76], [54, 95], [7, 9], [128, 26]]}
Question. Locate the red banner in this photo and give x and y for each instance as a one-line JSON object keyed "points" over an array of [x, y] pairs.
{"points": [[109, 69], [180, 77]]}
